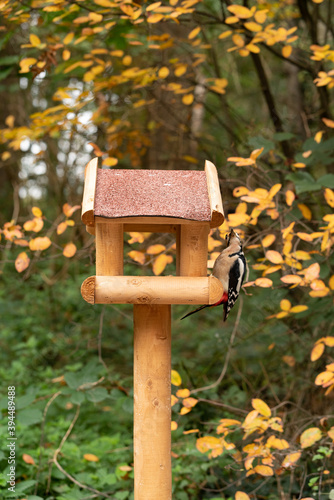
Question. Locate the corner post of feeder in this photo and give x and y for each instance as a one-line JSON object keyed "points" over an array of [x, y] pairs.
{"points": [[109, 248], [192, 253]]}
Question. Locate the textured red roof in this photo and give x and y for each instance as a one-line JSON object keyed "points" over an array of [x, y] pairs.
{"points": [[170, 193]]}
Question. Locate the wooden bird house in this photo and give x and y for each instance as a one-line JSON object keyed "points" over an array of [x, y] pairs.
{"points": [[186, 203]]}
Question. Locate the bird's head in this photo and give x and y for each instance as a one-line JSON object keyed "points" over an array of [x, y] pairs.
{"points": [[233, 237]]}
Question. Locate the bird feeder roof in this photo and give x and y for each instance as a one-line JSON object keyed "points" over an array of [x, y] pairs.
{"points": [[188, 195]]}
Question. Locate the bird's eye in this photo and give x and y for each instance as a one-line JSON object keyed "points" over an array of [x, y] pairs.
{"points": [[226, 236]]}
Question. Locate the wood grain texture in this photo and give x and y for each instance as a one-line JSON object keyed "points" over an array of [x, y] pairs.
{"points": [[193, 252], [152, 402], [151, 290], [88, 201], [216, 202], [109, 249]]}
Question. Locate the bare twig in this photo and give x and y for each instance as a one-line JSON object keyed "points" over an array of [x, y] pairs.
{"points": [[59, 467]]}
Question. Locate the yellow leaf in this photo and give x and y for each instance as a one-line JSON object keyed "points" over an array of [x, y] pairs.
{"points": [[240, 11], [68, 210], [26, 63], [154, 18], [261, 407], [281, 314], [127, 60], [304, 236], [68, 38], [137, 256], [299, 165], [28, 459], [163, 72], [110, 162], [231, 20], [69, 250], [285, 305], [90, 457], [176, 378], [329, 123], [191, 431], [298, 309], [210, 443], [35, 225], [289, 197], [291, 459], [331, 282], [305, 211], [274, 257], [66, 55], [117, 53], [37, 212], [225, 34], [331, 433], [278, 444], [160, 263], [328, 341], [324, 377], [9, 121], [40, 243], [190, 402], [318, 136], [317, 351], [254, 155], [21, 243], [173, 426], [225, 423], [188, 99], [174, 400], [155, 249], [329, 197], [194, 32], [268, 240], [263, 282], [261, 16], [153, 6], [21, 262], [251, 26], [286, 51], [301, 255], [61, 227], [180, 69], [184, 410], [310, 436], [238, 40], [183, 393], [34, 40], [263, 470], [240, 495]]}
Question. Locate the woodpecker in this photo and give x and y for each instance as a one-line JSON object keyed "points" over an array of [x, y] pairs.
{"points": [[230, 268]]}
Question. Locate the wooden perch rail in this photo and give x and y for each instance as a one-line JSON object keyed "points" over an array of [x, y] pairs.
{"points": [[151, 290]]}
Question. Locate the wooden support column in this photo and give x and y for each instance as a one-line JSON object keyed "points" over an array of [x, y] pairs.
{"points": [[152, 402], [193, 249], [109, 249]]}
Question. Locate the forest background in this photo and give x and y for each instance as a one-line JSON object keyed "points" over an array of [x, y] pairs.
{"points": [[165, 85]]}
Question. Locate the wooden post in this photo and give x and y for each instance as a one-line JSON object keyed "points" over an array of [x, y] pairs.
{"points": [[152, 402], [109, 249], [193, 249]]}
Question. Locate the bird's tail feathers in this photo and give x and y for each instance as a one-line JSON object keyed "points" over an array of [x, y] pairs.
{"points": [[196, 310]]}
